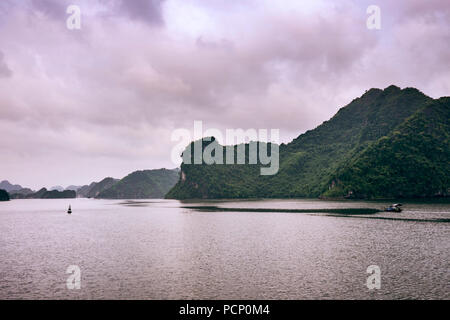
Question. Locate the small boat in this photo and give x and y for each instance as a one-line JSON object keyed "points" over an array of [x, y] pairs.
{"points": [[70, 210], [394, 208]]}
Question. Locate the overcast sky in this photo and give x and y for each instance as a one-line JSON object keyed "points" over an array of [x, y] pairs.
{"points": [[79, 105]]}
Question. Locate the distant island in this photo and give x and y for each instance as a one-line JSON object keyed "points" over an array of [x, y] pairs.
{"points": [[389, 143], [144, 184], [95, 188], [43, 194]]}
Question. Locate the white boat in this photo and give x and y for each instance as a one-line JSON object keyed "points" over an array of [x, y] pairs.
{"points": [[394, 208]]}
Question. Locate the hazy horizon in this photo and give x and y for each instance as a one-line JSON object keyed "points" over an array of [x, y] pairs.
{"points": [[77, 106]]}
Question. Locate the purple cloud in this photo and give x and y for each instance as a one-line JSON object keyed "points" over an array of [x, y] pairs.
{"points": [[4, 69], [144, 10]]}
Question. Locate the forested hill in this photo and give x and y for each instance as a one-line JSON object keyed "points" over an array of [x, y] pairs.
{"points": [[144, 184], [412, 161], [357, 153]]}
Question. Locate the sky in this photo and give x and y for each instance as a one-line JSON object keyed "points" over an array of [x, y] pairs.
{"points": [[78, 105]]}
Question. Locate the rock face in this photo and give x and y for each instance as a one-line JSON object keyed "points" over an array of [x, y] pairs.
{"points": [[387, 143], [4, 196], [145, 184]]}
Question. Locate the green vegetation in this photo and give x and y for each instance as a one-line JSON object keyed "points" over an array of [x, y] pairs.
{"points": [[412, 161], [83, 191], [387, 143], [4, 196], [55, 194], [20, 194], [144, 184], [97, 188]]}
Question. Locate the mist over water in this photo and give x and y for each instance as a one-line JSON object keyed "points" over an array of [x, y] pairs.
{"points": [[155, 249]]}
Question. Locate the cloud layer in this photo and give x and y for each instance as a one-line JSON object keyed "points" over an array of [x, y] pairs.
{"points": [[79, 105]]}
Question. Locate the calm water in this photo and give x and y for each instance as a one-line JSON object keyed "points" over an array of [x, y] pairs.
{"points": [[156, 250]]}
